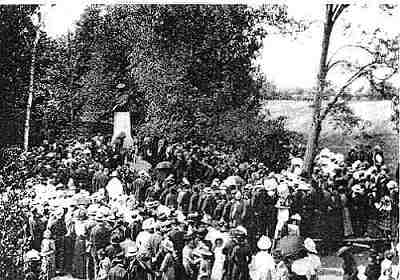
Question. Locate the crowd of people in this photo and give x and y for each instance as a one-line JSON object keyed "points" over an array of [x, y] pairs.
{"points": [[97, 210]]}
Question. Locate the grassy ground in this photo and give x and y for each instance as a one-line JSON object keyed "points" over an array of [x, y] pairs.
{"points": [[376, 116]]}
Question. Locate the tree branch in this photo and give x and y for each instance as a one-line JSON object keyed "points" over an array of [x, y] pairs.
{"points": [[329, 13], [350, 46], [357, 75], [338, 11], [330, 66]]}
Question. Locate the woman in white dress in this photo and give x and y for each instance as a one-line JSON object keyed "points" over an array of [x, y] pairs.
{"points": [[218, 266], [315, 260], [263, 263]]}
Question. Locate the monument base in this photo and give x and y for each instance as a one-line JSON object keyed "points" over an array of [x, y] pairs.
{"points": [[122, 124]]}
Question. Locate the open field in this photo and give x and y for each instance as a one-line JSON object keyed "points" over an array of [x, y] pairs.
{"points": [[376, 114]]}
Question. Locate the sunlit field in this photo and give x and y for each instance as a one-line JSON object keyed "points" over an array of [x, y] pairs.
{"points": [[376, 127]]}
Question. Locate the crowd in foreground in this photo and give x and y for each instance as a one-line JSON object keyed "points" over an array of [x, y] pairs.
{"points": [[99, 211]]}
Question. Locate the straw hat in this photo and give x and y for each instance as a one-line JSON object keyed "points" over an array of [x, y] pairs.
{"points": [[92, 210], [296, 217], [151, 204], [242, 229], [47, 234], [32, 255], [99, 217], [264, 243], [303, 186], [309, 244], [343, 250], [164, 165], [131, 251], [202, 252]]}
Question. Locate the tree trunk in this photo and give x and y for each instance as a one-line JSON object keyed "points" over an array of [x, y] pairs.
{"points": [[30, 92], [315, 130]]}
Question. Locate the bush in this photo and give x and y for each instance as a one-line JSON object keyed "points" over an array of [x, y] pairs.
{"points": [[256, 137], [12, 232], [248, 134]]}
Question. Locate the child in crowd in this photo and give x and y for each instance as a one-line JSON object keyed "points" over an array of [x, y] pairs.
{"points": [[48, 250], [104, 265]]}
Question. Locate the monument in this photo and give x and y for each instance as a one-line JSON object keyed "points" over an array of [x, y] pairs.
{"points": [[122, 122]]}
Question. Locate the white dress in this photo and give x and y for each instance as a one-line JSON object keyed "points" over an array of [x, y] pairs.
{"points": [[114, 188], [142, 241], [315, 262], [218, 267], [263, 265]]}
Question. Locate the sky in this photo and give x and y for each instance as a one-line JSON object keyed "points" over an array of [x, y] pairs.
{"points": [[287, 62]]}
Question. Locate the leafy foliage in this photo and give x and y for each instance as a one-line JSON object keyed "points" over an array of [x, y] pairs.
{"points": [[17, 33]]}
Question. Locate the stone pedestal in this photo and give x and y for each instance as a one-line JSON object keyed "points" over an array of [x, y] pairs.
{"points": [[122, 123]]}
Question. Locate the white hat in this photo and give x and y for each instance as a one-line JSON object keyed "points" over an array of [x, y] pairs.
{"points": [[297, 161], [309, 244], [357, 188], [114, 173], [325, 152], [32, 255], [131, 251], [242, 229], [296, 217], [391, 185], [270, 184], [303, 186], [264, 243], [148, 223], [92, 210]]}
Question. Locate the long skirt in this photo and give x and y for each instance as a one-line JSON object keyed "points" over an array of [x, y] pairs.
{"points": [[240, 272], [347, 226], [69, 252], [79, 260], [48, 268], [60, 253]]}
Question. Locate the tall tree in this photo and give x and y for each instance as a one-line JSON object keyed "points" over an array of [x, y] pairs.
{"points": [[382, 55], [17, 33], [332, 13], [183, 65], [38, 25]]}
